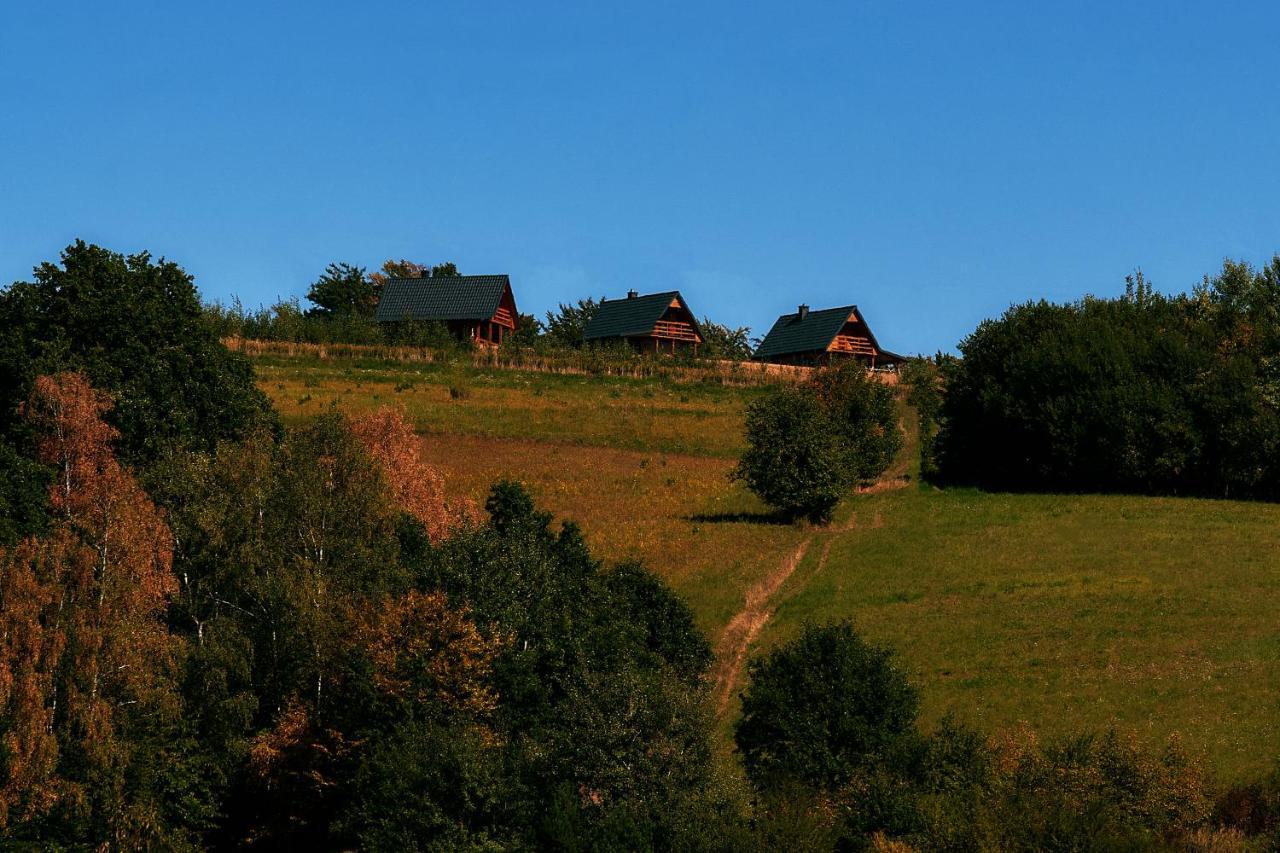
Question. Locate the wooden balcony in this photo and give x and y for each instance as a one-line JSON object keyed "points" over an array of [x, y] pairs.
{"points": [[675, 330], [854, 345], [503, 318]]}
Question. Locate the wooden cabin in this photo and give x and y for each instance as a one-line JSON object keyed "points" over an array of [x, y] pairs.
{"points": [[477, 308], [821, 337], [656, 323]]}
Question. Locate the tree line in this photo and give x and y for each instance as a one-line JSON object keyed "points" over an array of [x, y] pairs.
{"points": [[1145, 393]]}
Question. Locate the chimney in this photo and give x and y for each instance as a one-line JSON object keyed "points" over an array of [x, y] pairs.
{"points": [[631, 294], [803, 312]]}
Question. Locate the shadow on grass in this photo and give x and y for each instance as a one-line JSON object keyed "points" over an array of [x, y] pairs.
{"points": [[775, 517]]}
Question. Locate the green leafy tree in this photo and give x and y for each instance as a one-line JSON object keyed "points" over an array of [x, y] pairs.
{"points": [[281, 550], [862, 411], [583, 643], [793, 459], [822, 709], [720, 341], [435, 787], [665, 621], [923, 380], [808, 445], [565, 325], [1144, 393], [24, 495], [409, 269], [529, 330], [135, 327], [344, 290]]}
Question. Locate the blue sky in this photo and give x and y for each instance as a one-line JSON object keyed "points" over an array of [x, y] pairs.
{"points": [[931, 162]]}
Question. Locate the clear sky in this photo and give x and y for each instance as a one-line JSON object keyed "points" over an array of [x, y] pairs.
{"points": [[931, 162]]}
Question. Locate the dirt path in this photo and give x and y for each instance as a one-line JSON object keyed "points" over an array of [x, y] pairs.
{"points": [[742, 630]]}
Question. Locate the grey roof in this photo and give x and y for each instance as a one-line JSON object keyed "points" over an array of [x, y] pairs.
{"points": [[624, 318], [814, 333], [463, 297]]}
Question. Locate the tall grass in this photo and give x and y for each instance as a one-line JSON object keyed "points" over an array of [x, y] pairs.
{"points": [[584, 362]]}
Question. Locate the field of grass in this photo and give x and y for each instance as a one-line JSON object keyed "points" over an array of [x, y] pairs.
{"points": [[651, 415], [1067, 612], [677, 513]]}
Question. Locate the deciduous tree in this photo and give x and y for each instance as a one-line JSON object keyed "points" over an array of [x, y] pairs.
{"points": [[415, 486], [98, 665], [134, 327], [822, 708], [344, 290]]}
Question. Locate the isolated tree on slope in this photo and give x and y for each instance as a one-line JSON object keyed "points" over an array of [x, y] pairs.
{"points": [[822, 708], [808, 445], [792, 460]]}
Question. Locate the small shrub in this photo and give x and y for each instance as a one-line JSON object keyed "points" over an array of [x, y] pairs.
{"points": [[822, 709], [862, 414]]}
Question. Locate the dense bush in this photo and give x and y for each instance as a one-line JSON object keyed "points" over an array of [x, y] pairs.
{"points": [[829, 720], [565, 326], [923, 381], [287, 321], [863, 417], [792, 460], [721, 341], [1146, 393], [1102, 792], [822, 709], [807, 446]]}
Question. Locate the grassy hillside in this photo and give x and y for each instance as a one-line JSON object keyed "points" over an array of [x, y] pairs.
{"points": [[1067, 612], [655, 414]]}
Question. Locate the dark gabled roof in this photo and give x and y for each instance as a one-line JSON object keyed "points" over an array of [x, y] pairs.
{"points": [[624, 318], [815, 332], [791, 335], [463, 297]]}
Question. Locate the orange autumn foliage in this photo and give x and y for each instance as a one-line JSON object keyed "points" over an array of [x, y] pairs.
{"points": [[423, 651], [133, 548], [415, 486], [29, 650], [82, 636]]}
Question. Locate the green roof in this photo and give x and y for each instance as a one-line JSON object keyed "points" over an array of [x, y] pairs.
{"points": [[635, 315], [463, 297], [791, 335]]}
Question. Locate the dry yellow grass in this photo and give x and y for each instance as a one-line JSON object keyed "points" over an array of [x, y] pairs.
{"points": [[637, 414], [677, 513]]}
